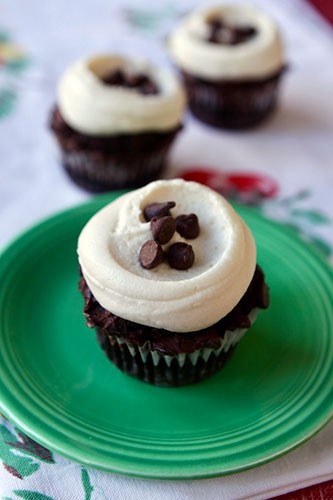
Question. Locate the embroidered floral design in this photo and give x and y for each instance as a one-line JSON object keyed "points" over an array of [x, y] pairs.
{"points": [[150, 20], [21, 456], [31, 495], [244, 187], [294, 212], [262, 191], [12, 63], [88, 488]]}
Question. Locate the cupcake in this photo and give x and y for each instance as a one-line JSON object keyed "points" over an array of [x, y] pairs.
{"points": [[115, 120], [170, 281], [231, 61]]}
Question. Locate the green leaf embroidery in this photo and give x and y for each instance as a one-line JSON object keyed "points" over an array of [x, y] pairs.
{"points": [[150, 20], [88, 488], [13, 62], [7, 101], [3, 37], [31, 495], [302, 220], [322, 246], [17, 465], [295, 198], [17, 65], [312, 216], [27, 461], [30, 446]]}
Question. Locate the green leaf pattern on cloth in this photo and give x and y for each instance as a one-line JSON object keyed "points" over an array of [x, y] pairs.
{"points": [[150, 21], [31, 495], [21, 456], [13, 61], [88, 488], [310, 224]]}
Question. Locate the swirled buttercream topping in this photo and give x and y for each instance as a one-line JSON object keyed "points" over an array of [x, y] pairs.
{"points": [[90, 106], [163, 297], [259, 56]]}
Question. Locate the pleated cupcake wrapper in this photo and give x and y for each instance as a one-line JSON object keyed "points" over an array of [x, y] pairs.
{"points": [[230, 339], [111, 170], [235, 106], [258, 101]]}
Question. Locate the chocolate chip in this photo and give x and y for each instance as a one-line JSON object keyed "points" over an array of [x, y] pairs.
{"points": [[143, 83], [239, 34], [228, 34], [215, 26], [148, 88], [246, 32], [215, 23], [138, 81], [114, 77], [158, 210], [180, 256], [188, 226], [151, 254], [163, 228]]}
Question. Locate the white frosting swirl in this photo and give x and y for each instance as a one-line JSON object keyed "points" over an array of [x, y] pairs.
{"points": [[94, 108], [179, 301], [258, 57]]}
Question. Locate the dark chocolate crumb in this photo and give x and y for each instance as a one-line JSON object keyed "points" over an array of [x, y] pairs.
{"points": [[188, 226], [163, 228], [151, 254], [158, 210], [180, 256], [172, 342]]}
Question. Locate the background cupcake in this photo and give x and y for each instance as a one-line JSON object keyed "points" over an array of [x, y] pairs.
{"points": [[115, 119], [231, 60], [170, 281]]}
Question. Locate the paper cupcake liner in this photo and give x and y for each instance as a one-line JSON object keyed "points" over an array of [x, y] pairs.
{"points": [[157, 368], [112, 173], [232, 105], [118, 161]]}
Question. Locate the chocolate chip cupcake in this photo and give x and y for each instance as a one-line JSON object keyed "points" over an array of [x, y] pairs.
{"points": [[231, 60], [170, 281], [115, 120]]}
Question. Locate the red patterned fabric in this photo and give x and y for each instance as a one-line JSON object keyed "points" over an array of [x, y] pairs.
{"points": [[322, 491], [325, 7]]}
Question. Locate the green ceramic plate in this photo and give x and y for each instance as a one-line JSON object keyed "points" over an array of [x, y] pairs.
{"points": [[57, 386]]}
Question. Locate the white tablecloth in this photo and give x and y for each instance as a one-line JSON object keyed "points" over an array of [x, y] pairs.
{"points": [[38, 40]]}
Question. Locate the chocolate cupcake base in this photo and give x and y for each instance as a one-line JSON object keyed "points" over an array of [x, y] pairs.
{"points": [[98, 174], [166, 358], [232, 104], [99, 163], [160, 369], [163, 371]]}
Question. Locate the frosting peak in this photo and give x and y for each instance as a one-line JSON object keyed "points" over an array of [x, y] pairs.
{"points": [[163, 297]]}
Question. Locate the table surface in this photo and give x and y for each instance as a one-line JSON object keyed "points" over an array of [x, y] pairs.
{"points": [[284, 167]]}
